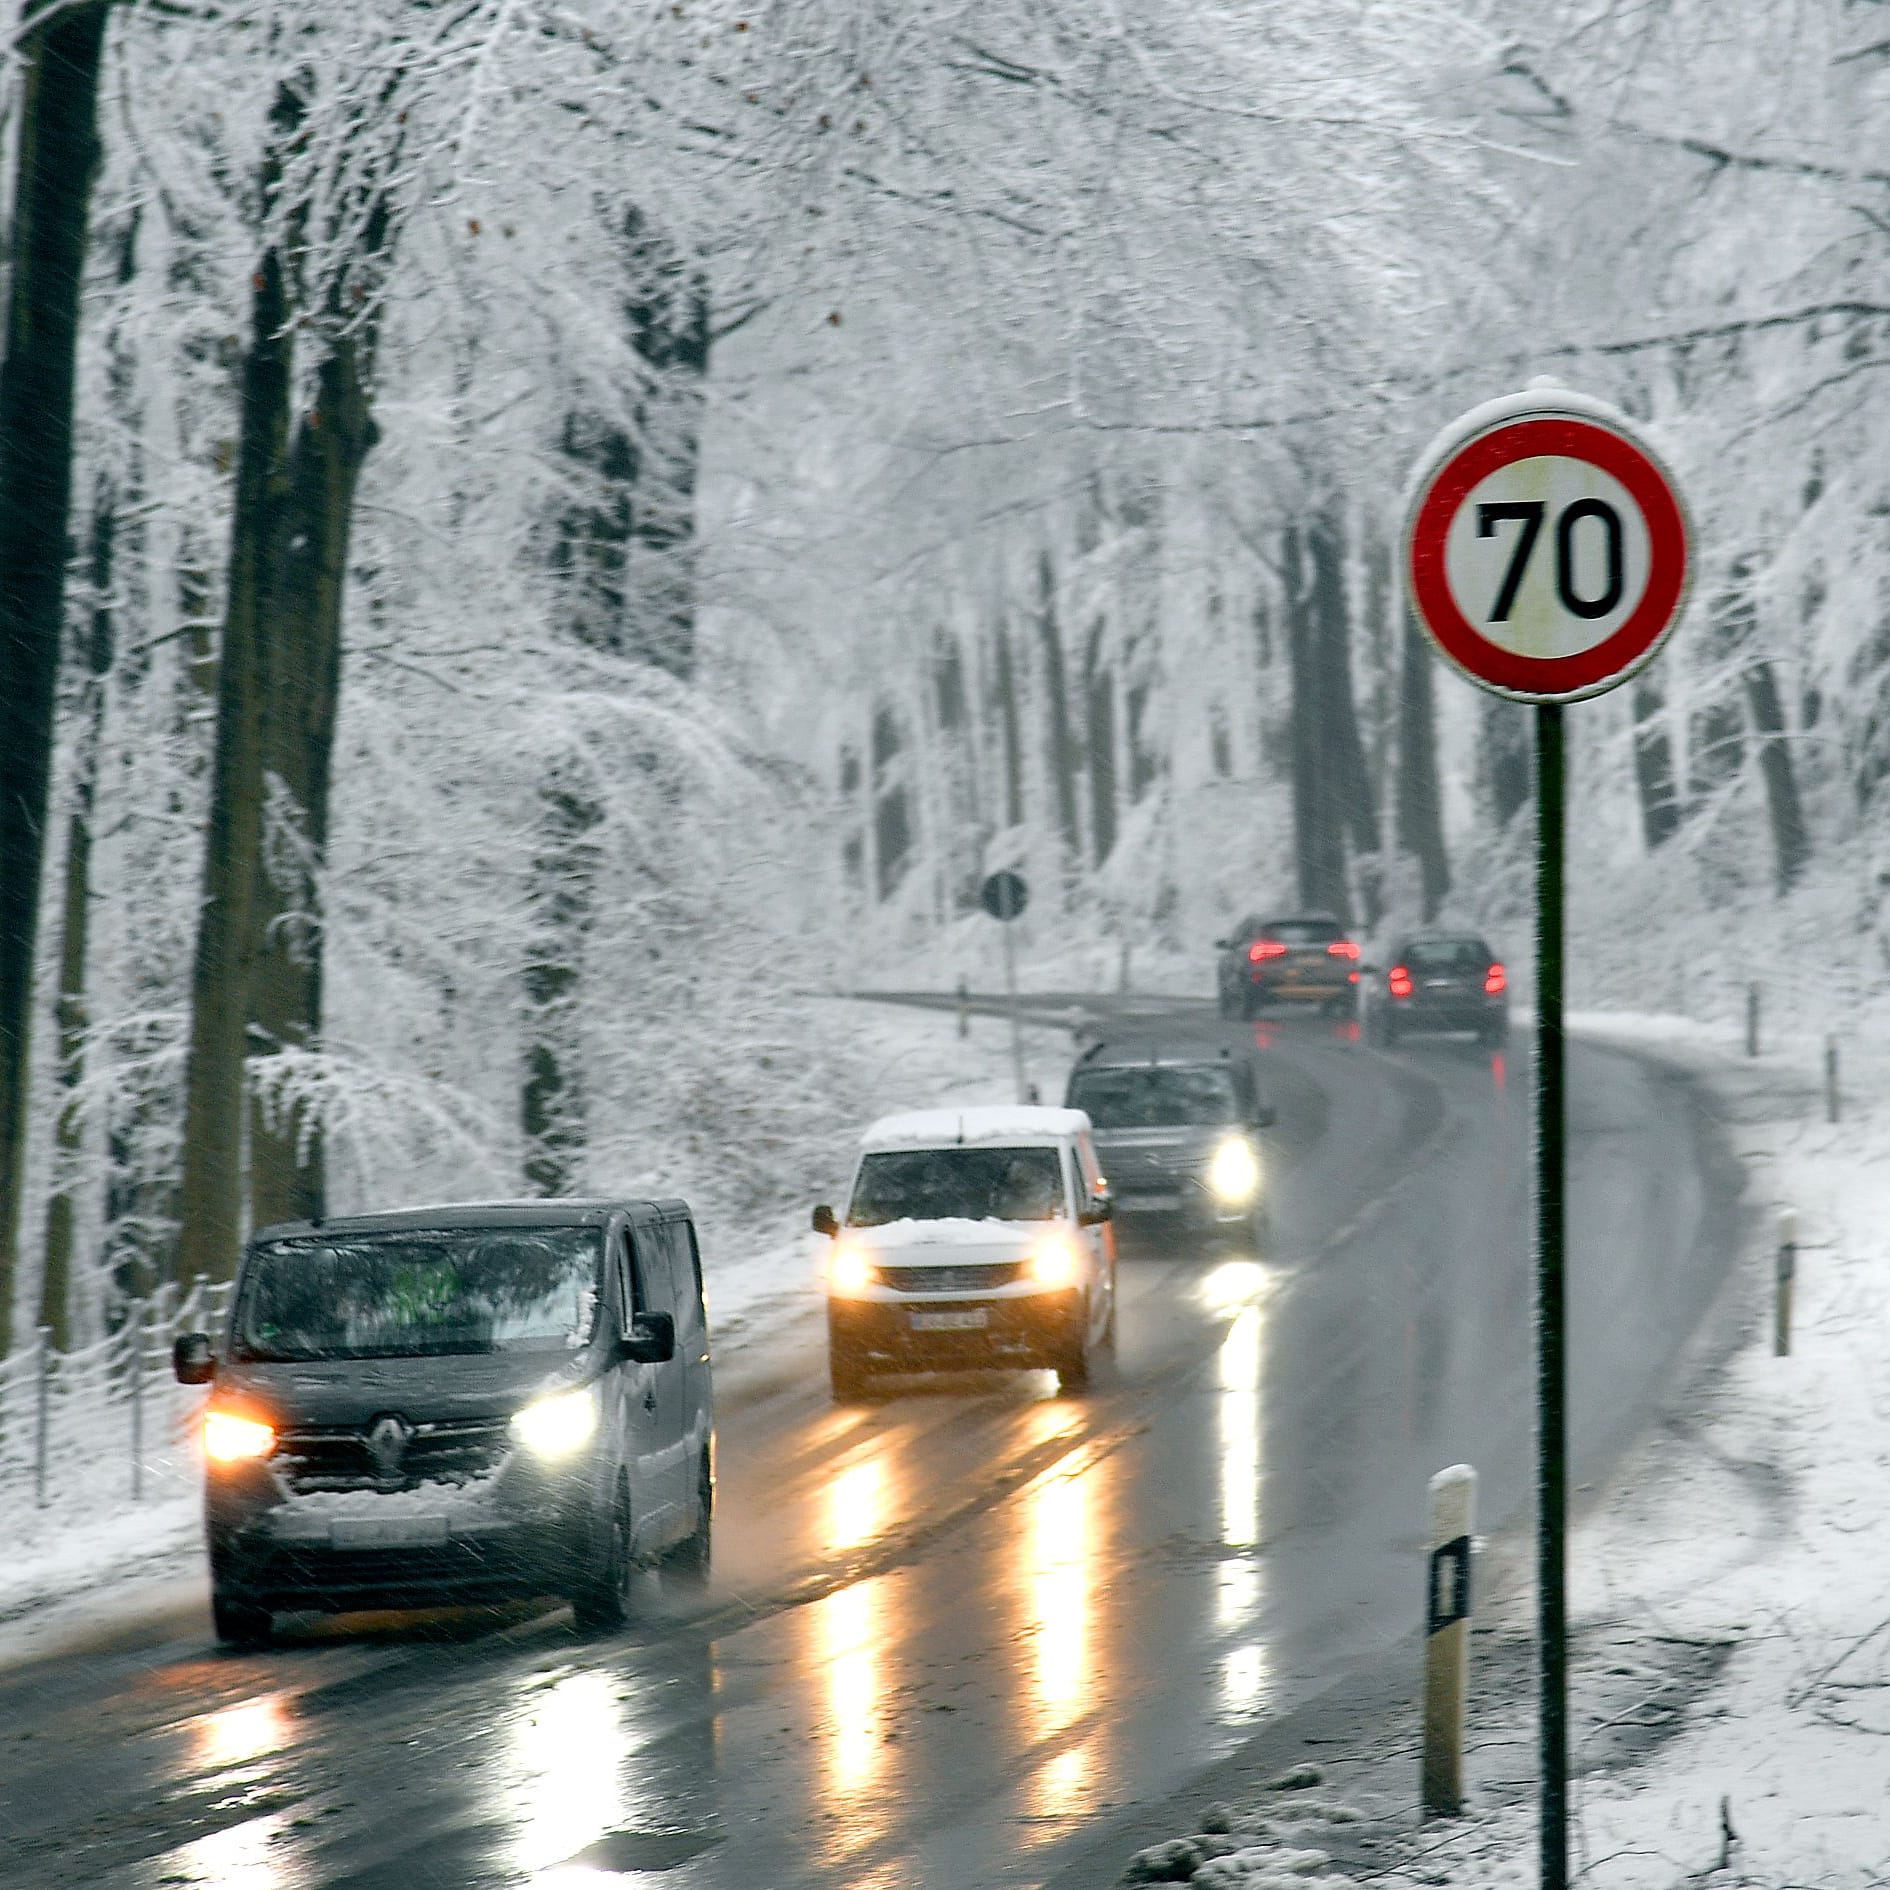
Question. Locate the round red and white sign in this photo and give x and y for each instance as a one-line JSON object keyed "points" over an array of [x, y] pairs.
{"points": [[1546, 547]]}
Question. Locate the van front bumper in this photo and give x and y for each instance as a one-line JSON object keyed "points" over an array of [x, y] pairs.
{"points": [[927, 1333], [411, 1549]]}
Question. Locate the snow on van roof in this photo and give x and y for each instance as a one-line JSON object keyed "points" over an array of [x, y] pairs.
{"points": [[994, 1122]]}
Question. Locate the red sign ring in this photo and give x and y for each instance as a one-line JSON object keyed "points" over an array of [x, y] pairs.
{"points": [[1553, 676]]}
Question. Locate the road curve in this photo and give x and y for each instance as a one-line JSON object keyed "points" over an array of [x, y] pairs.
{"points": [[955, 1632]]}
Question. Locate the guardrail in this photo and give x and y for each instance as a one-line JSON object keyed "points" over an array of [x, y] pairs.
{"points": [[106, 1424]]}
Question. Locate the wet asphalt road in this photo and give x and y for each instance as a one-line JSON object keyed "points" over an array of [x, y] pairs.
{"points": [[954, 1632]]}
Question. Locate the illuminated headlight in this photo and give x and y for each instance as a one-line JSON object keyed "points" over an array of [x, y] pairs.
{"points": [[1234, 1173], [229, 1437], [555, 1427], [849, 1271], [1054, 1261]]}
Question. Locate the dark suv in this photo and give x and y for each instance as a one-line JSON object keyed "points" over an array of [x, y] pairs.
{"points": [[1175, 1133], [1441, 981], [1305, 958], [457, 1404]]}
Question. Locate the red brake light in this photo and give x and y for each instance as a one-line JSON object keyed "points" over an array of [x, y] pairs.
{"points": [[1497, 982], [1265, 948], [1400, 981], [1343, 948]]}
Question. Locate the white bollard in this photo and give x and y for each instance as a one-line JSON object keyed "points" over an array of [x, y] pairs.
{"points": [[1783, 1272], [1447, 1638]]}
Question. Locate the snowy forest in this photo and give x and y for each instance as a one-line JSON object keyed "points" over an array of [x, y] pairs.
{"points": [[537, 536]]}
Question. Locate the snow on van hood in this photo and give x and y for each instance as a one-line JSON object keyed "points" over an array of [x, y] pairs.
{"points": [[1005, 1123], [957, 1235]]}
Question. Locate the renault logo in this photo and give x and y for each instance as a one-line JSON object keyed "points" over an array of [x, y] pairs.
{"points": [[387, 1441]]}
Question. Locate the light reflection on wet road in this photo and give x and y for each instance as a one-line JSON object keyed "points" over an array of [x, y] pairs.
{"points": [[952, 1629]]}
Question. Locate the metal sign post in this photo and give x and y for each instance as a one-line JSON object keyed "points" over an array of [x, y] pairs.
{"points": [[1551, 1305], [1547, 555], [1004, 895]]}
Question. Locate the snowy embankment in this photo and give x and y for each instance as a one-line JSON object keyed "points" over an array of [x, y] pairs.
{"points": [[74, 1527], [1730, 1685]]}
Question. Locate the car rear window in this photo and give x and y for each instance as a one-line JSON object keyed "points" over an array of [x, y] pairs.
{"points": [[1303, 931], [957, 1184], [1439, 957]]}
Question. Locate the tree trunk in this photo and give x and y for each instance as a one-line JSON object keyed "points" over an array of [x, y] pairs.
{"points": [[1791, 838], [1062, 748], [892, 803], [1654, 781], [60, 48], [1320, 802], [1099, 696], [1508, 761], [55, 1288], [1346, 774], [1010, 733], [626, 554], [307, 588], [1420, 802], [211, 1195], [564, 874]]}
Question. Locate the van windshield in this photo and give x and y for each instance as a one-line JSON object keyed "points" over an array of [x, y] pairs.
{"points": [[958, 1184], [419, 1294], [1172, 1098]]}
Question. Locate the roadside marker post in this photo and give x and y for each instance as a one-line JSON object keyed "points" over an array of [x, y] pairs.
{"points": [[1547, 555], [1453, 1495], [1004, 895], [1832, 1100]]}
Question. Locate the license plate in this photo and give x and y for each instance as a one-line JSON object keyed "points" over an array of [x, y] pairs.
{"points": [[963, 1319], [1147, 1203], [387, 1532]]}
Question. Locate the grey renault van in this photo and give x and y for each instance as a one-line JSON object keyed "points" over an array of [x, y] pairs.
{"points": [[457, 1404]]}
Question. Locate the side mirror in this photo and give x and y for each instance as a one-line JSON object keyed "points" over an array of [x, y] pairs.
{"points": [[1101, 1208], [193, 1358], [1265, 1115], [652, 1339], [824, 1222]]}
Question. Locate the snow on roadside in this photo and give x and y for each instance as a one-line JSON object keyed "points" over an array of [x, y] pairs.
{"points": [[1730, 1691], [1756, 1526]]}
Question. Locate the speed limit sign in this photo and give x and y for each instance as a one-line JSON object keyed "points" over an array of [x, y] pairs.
{"points": [[1546, 547], [1547, 552]]}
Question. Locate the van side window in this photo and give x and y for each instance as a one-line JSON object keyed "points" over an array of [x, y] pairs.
{"points": [[620, 1268], [685, 1275], [654, 1293]]}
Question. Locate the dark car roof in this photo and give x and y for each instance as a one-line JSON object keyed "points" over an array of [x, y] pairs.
{"points": [[1127, 1054], [451, 1215], [1408, 939], [1260, 922]]}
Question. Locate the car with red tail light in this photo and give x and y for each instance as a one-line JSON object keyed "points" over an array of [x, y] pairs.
{"points": [[1441, 981], [1298, 958]]}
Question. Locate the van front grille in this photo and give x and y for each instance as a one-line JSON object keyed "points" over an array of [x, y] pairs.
{"points": [[953, 1279], [340, 1457]]}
